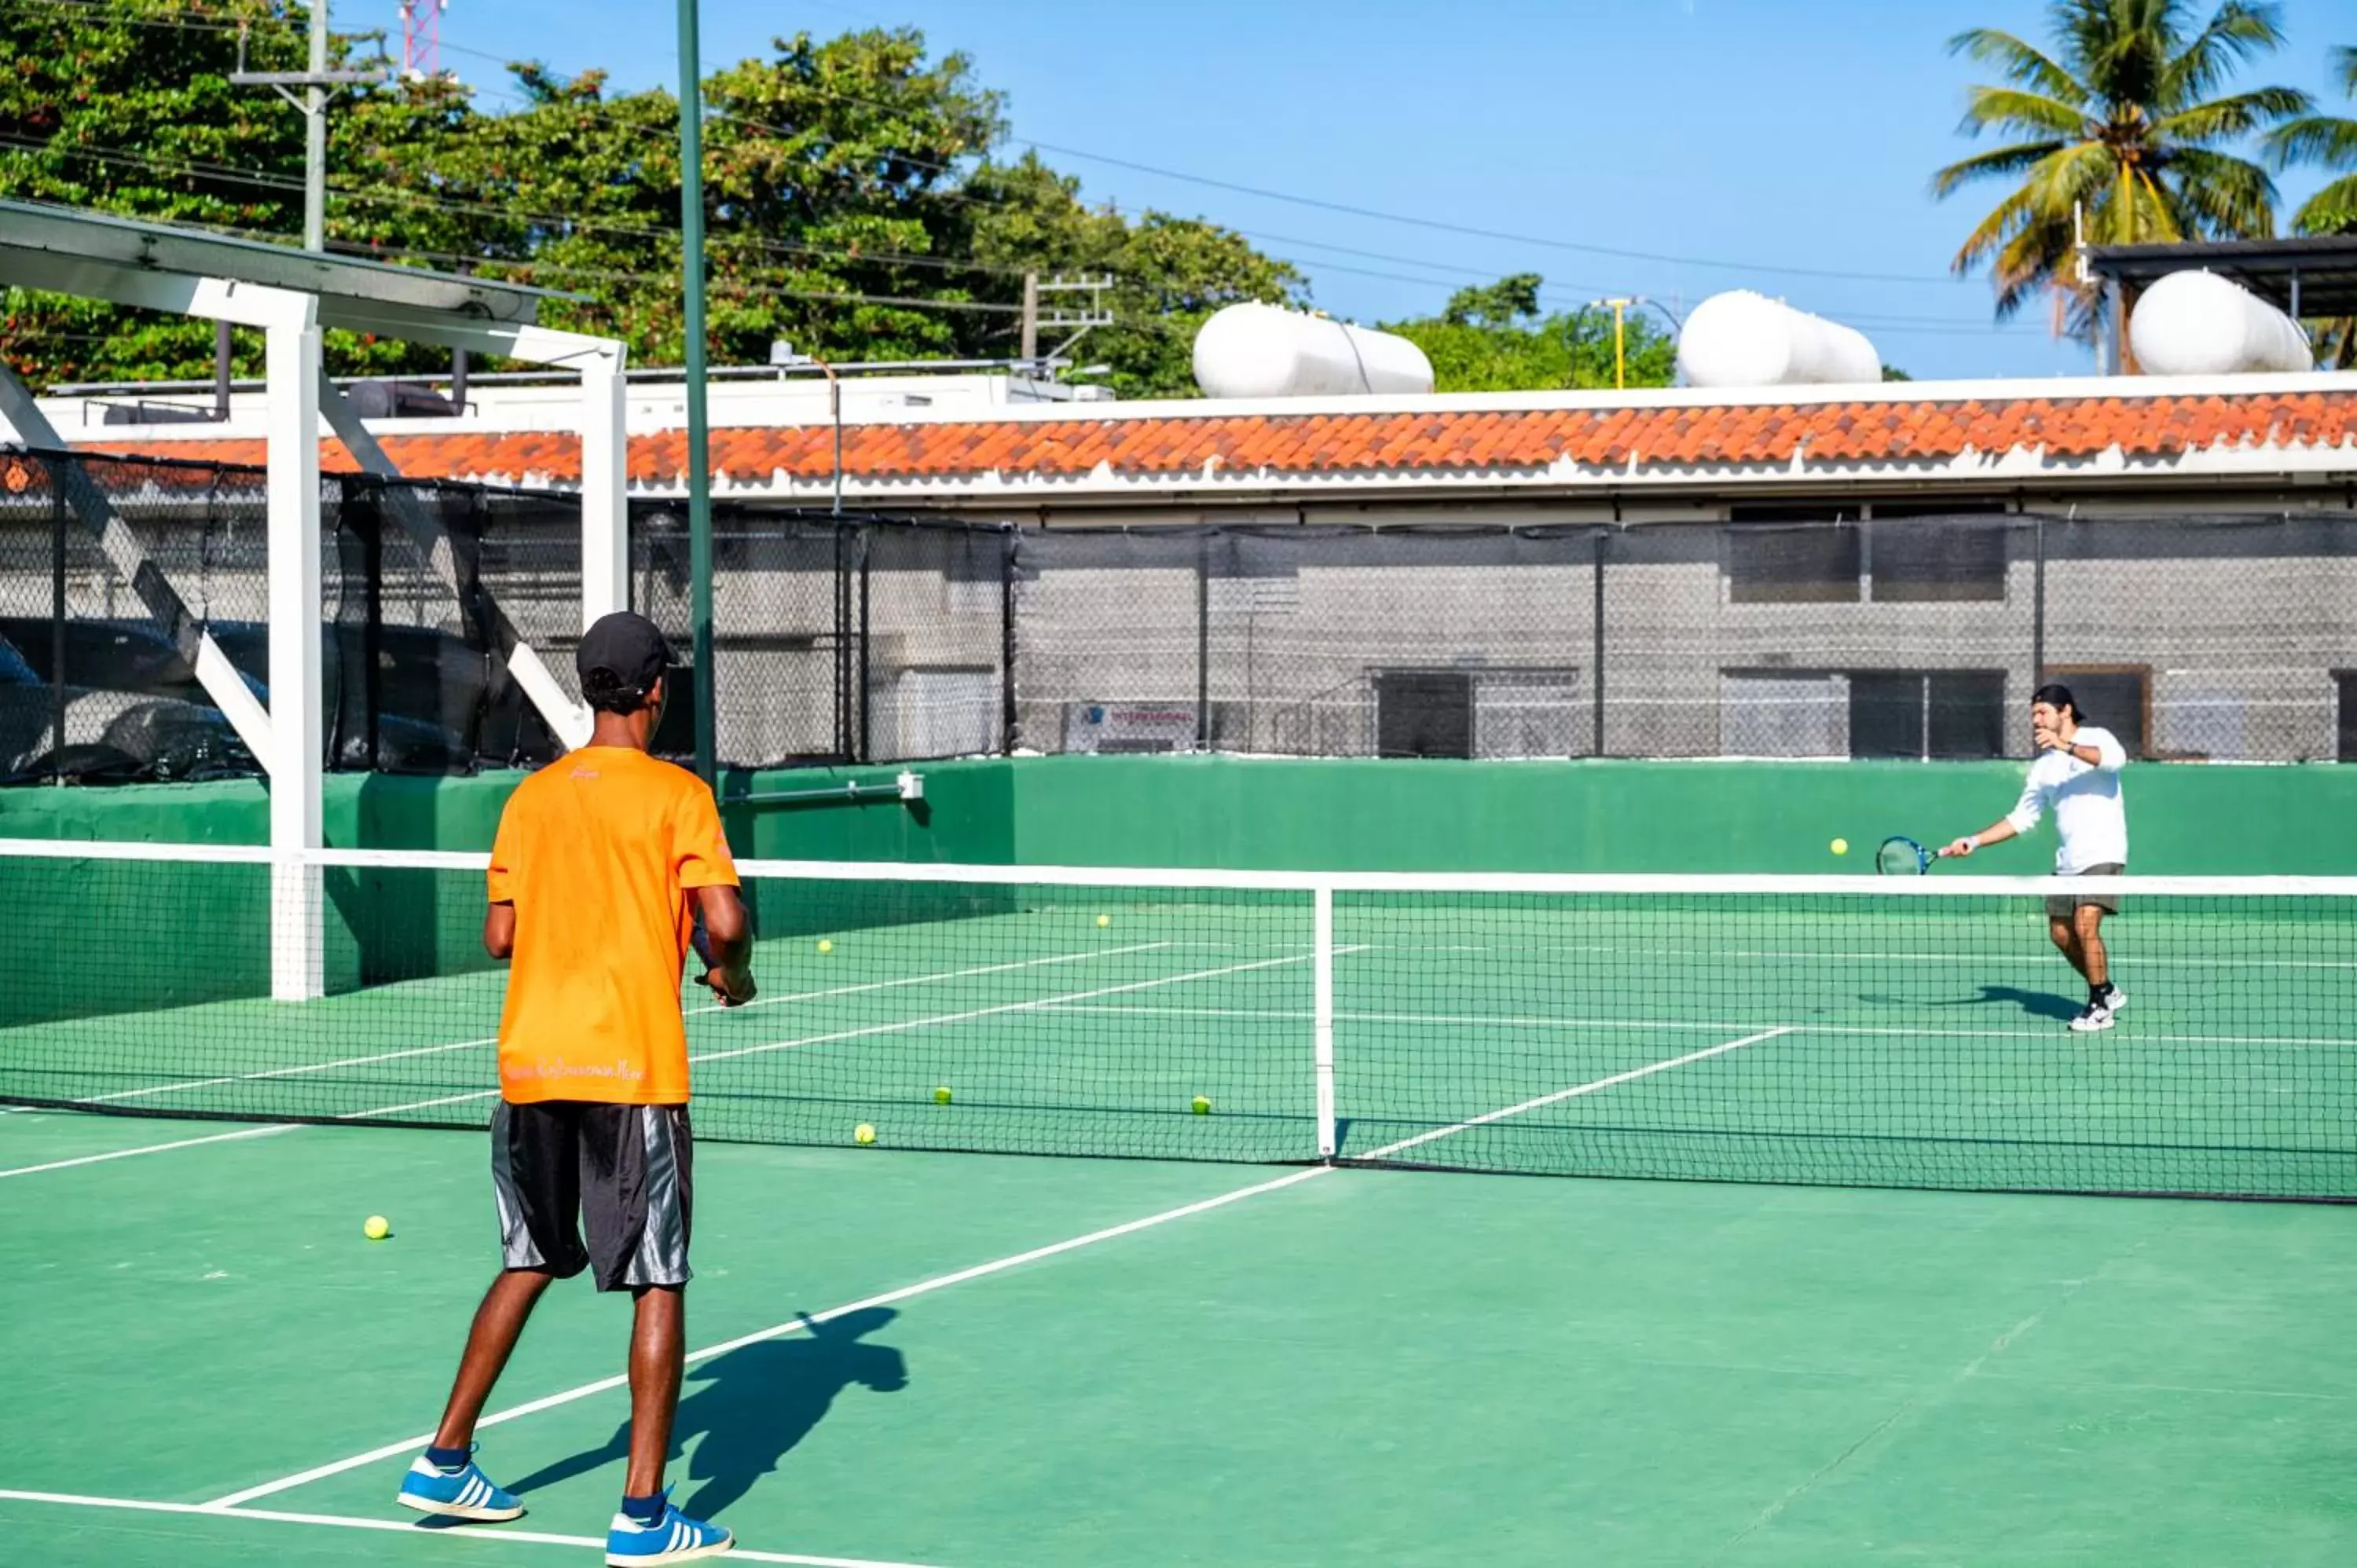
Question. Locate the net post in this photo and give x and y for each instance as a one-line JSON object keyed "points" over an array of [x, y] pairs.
{"points": [[298, 902], [1322, 900]]}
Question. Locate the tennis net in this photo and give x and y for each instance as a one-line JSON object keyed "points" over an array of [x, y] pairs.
{"points": [[1908, 1032]]}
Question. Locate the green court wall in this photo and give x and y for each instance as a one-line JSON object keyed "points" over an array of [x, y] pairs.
{"points": [[1611, 816]]}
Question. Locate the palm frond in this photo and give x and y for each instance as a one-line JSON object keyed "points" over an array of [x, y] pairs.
{"points": [[2239, 115], [2010, 109], [2333, 210], [2313, 139], [2230, 198], [2344, 66], [2239, 31], [1991, 165], [2021, 62]]}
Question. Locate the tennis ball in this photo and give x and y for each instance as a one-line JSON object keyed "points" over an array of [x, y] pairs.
{"points": [[1202, 1105], [941, 1095], [863, 1134], [825, 944], [1104, 920], [376, 1227], [1841, 846]]}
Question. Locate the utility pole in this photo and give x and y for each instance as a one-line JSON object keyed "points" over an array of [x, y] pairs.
{"points": [[1078, 321], [319, 86], [699, 476]]}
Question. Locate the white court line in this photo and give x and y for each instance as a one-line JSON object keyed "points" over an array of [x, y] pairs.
{"points": [[1573, 1093], [897, 1026], [409, 1446], [691, 1012], [2128, 1033], [152, 1149], [410, 1528], [1975, 959]]}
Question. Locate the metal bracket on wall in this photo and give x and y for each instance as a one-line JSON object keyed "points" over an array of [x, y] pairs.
{"points": [[908, 787]]}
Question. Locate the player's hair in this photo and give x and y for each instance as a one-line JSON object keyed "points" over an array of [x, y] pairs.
{"points": [[2056, 695], [606, 690]]}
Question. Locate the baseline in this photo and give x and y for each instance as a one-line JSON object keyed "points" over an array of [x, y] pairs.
{"points": [[407, 1527]]}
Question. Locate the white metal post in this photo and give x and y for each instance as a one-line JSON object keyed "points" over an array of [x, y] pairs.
{"points": [[1323, 937], [297, 928], [605, 490]]}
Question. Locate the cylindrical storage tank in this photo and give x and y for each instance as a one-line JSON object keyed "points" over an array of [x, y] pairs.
{"points": [[1744, 339], [2199, 324], [1261, 350]]}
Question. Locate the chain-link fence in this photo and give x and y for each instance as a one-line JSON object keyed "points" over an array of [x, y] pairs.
{"points": [[865, 638], [2229, 638]]}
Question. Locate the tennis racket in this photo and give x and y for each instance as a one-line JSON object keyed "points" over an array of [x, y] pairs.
{"points": [[1902, 856]]}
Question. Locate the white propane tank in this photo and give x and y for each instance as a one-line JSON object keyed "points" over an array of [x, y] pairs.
{"points": [[1261, 350], [2199, 324], [1744, 339]]}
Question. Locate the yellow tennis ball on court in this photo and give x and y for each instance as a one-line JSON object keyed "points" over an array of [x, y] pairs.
{"points": [[1104, 920], [1201, 1105], [1841, 846], [825, 944], [863, 1134], [941, 1095], [376, 1227]]}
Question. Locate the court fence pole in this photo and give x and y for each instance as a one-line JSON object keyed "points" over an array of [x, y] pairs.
{"points": [[1322, 939]]}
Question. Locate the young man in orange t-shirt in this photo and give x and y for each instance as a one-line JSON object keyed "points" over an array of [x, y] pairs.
{"points": [[604, 861]]}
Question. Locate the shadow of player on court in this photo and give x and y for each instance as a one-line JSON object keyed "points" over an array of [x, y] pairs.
{"points": [[752, 1406], [2037, 1003]]}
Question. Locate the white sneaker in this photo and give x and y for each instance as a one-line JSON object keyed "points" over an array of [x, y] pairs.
{"points": [[2094, 1016]]}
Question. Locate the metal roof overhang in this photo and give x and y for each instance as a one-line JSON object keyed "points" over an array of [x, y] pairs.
{"points": [[162, 267], [2319, 271]]}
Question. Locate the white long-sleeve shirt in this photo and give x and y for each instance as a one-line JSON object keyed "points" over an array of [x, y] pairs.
{"points": [[2090, 819]]}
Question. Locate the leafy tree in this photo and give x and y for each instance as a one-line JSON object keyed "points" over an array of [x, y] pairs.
{"points": [[1492, 338], [2116, 120], [853, 207], [1506, 303], [1169, 273], [2330, 141]]}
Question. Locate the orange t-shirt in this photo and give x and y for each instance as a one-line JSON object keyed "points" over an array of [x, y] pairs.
{"points": [[595, 852]]}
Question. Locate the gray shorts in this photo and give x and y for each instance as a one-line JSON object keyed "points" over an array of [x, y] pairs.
{"points": [[624, 1172], [2063, 905]]}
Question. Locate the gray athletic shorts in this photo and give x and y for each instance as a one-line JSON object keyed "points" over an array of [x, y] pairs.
{"points": [[624, 1172], [2063, 905]]}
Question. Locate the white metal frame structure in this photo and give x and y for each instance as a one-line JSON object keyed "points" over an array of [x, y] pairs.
{"points": [[294, 296]]}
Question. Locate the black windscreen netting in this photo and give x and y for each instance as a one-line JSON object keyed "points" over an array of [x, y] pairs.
{"points": [[862, 639]]}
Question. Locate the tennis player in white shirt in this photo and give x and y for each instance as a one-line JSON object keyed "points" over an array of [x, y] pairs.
{"points": [[2077, 775]]}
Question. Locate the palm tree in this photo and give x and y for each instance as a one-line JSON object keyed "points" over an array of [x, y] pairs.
{"points": [[2116, 130], [2331, 141]]}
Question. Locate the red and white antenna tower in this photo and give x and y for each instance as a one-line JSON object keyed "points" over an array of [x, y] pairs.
{"points": [[421, 38]]}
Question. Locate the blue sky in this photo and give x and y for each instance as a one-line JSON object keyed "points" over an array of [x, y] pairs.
{"points": [[1735, 136]]}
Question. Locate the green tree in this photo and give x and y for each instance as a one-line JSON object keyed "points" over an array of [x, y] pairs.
{"points": [[1492, 338], [2117, 122], [2330, 141], [1169, 273], [853, 208]]}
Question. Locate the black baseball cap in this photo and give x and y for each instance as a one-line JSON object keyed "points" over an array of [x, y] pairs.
{"points": [[629, 651]]}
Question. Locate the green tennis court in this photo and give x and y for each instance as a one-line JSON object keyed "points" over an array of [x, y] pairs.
{"points": [[918, 1355]]}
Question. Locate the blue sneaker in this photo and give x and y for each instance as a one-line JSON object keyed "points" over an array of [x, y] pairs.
{"points": [[675, 1538], [463, 1493]]}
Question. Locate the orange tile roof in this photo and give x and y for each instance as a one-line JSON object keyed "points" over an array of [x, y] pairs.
{"points": [[1466, 439]]}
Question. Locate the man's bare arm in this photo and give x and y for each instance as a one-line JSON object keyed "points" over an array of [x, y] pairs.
{"points": [[728, 941], [498, 930], [1995, 833]]}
